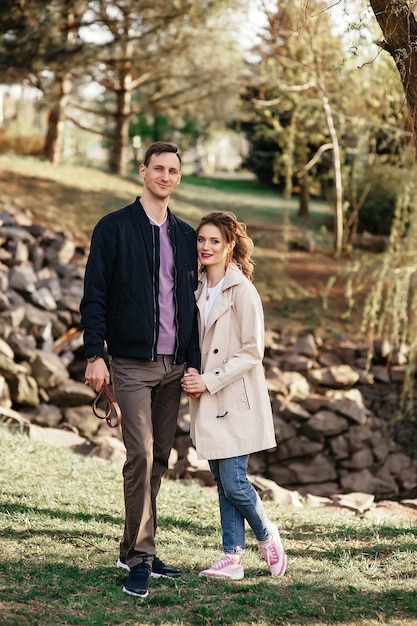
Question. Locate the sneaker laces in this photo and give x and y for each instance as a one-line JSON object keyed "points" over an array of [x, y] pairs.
{"points": [[223, 562], [141, 572], [270, 551]]}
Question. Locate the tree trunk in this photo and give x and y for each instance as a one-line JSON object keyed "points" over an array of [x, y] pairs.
{"points": [[304, 206], [399, 28], [337, 168], [118, 153], [56, 121]]}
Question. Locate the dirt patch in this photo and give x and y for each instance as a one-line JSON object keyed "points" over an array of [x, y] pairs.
{"points": [[308, 290]]}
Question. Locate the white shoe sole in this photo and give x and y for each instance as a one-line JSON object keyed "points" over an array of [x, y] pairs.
{"points": [[137, 595], [223, 576], [126, 568]]}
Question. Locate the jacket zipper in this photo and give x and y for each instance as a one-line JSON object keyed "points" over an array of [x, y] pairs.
{"points": [[155, 304], [175, 296]]}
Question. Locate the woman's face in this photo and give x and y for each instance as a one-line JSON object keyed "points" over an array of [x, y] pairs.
{"points": [[211, 246]]}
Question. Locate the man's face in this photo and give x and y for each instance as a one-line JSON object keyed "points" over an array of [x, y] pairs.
{"points": [[162, 175]]}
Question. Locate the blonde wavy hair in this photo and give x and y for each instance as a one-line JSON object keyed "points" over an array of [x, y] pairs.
{"points": [[233, 232]]}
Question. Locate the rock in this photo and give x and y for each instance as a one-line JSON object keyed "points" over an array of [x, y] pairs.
{"points": [[5, 399], [44, 299], [387, 509], [106, 448], [24, 390], [23, 278], [9, 368], [22, 345], [349, 403], [321, 490], [328, 358], [56, 437], [47, 415], [306, 346], [297, 363], [309, 470], [289, 410], [357, 501], [358, 460], [361, 480], [297, 447], [283, 430], [344, 375], [71, 393], [380, 373], [10, 416], [269, 490], [295, 383], [324, 424], [83, 419]]}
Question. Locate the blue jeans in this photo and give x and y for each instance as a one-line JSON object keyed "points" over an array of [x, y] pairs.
{"points": [[238, 501]]}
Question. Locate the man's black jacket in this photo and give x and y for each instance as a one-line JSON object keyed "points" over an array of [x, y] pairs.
{"points": [[120, 301]]}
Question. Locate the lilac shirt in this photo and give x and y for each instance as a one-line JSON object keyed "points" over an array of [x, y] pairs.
{"points": [[166, 338]]}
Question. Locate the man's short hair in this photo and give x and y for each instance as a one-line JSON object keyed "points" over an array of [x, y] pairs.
{"points": [[158, 147]]}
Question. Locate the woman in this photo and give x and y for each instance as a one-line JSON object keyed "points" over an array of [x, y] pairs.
{"points": [[230, 408]]}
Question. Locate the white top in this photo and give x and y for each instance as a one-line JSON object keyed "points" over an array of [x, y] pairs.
{"points": [[211, 295]]}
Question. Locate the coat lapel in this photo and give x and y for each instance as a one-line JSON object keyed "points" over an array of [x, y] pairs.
{"points": [[223, 301]]}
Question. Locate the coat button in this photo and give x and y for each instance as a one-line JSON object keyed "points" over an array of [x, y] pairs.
{"points": [[215, 350]]}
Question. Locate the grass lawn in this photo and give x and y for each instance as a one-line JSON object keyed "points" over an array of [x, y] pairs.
{"points": [[76, 197], [61, 518]]}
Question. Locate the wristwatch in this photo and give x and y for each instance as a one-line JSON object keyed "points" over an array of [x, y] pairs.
{"points": [[91, 359]]}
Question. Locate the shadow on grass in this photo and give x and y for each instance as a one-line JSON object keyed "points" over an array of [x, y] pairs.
{"points": [[19, 509], [92, 594], [64, 206]]}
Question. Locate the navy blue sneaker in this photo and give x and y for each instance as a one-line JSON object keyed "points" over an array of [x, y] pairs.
{"points": [[137, 583], [160, 570], [121, 564]]}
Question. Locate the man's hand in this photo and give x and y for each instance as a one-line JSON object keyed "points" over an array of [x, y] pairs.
{"points": [[96, 374], [193, 384]]}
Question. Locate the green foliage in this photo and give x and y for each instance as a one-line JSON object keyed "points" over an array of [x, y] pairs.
{"points": [[262, 155], [160, 127], [150, 128], [377, 212], [39, 41], [237, 185], [390, 310], [62, 516], [285, 119]]}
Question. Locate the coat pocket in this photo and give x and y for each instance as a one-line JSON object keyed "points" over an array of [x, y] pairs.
{"points": [[241, 395]]}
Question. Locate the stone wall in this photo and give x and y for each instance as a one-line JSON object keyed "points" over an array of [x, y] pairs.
{"points": [[333, 420]]}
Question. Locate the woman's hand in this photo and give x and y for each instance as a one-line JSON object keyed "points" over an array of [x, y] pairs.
{"points": [[193, 384]]}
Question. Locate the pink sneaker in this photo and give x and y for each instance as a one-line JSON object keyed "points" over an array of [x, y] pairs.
{"points": [[225, 568], [273, 553]]}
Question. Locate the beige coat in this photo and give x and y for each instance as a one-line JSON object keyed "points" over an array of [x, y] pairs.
{"points": [[233, 417]]}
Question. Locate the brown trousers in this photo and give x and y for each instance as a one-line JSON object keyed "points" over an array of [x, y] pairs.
{"points": [[148, 394]]}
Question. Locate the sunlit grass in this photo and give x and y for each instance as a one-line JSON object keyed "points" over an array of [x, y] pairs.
{"points": [[75, 195], [61, 517]]}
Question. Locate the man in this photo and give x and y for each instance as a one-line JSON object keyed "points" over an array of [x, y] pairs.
{"points": [[138, 299]]}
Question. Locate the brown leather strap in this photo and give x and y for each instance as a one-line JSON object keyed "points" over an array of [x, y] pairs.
{"points": [[112, 408]]}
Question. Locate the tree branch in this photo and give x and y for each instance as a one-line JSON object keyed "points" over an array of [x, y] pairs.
{"points": [[316, 157]]}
